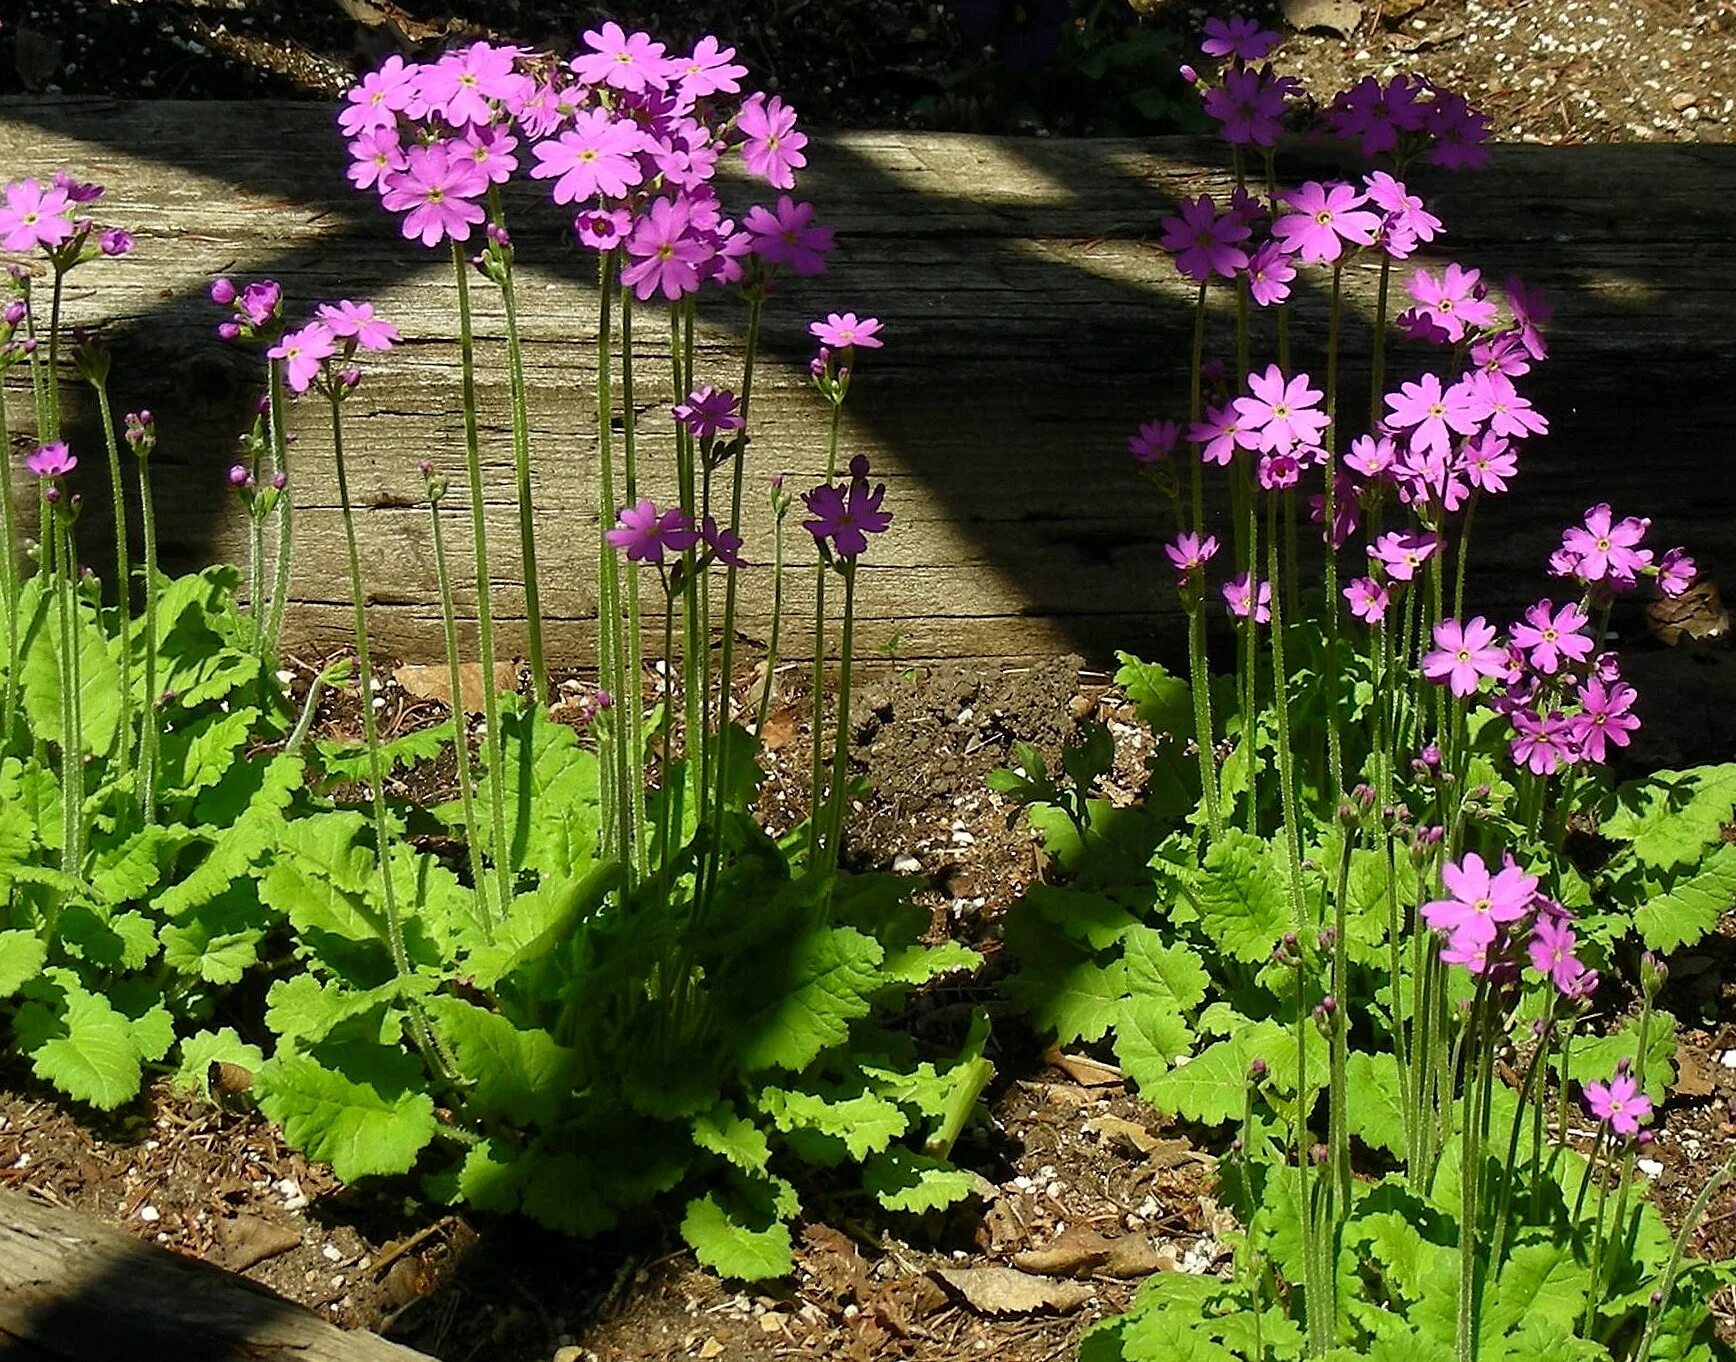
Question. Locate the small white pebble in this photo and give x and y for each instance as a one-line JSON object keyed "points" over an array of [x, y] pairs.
{"points": [[1728, 1059], [906, 865], [150, 1214], [332, 1253], [284, 677], [1650, 1167]]}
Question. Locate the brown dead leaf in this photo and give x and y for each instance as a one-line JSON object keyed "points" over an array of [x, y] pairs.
{"points": [[1093, 1073], [710, 1348], [434, 683], [1007, 1291], [1116, 1130], [1695, 1077], [248, 1240], [1077, 1252], [1698, 613], [1136, 1256], [1002, 1227], [1341, 17], [781, 725]]}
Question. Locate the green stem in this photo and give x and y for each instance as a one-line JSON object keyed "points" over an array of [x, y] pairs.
{"points": [[817, 765], [841, 746], [539, 676], [53, 376], [9, 583], [1334, 742], [630, 676], [123, 579], [285, 519], [151, 721], [1281, 703], [1667, 1283], [765, 703]]}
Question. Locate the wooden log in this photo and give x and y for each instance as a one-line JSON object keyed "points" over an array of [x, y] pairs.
{"points": [[75, 1291], [1031, 323]]}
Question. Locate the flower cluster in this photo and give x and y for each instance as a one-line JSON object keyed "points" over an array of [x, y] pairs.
{"points": [[1495, 921], [644, 533], [843, 516], [626, 134], [51, 217]]}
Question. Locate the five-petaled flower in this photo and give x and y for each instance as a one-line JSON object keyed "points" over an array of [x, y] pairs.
{"points": [[1619, 1103], [644, 533], [1464, 654]]}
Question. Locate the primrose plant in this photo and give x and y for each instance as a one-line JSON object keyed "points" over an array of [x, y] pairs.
{"points": [[1360, 923], [590, 978]]}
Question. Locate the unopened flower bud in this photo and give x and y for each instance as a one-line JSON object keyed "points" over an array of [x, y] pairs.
{"points": [[1654, 974], [238, 476], [1212, 372], [1623, 1065], [1320, 1154], [350, 377], [1236, 1145], [1347, 813], [604, 700], [1657, 1299], [116, 241], [51, 493], [229, 331], [1188, 74], [1257, 1070], [15, 312], [279, 481], [1365, 796], [1644, 1138], [778, 482], [222, 292]]}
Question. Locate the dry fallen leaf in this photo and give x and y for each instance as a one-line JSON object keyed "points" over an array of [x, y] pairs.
{"points": [[1694, 1076], [1136, 1256], [434, 683], [248, 1240], [781, 727], [1332, 16], [1007, 1291], [1093, 1073], [1077, 1252], [1698, 613]]}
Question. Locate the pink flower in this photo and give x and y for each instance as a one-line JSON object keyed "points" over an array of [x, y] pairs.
{"points": [[302, 352], [1459, 132], [1481, 903], [491, 149], [1237, 37], [725, 544], [51, 460], [1464, 654], [1327, 217], [1276, 472], [1497, 402], [1249, 106], [708, 412], [1487, 461], [1504, 353], [1551, 950], [1371, 456], [34, 216], [787, 236], [1269, 274], [116, 241], [461, 86], [1402, 555], [1374, 116], [1189, 552], [847, 515], [1203, 242], [346, 319], [1431, 414], [375, 102], [627, 63], [1605, 719], [1454, 302], [1531, 312], [1239, 596], [841, 330], [1369, 600], [1154, 440], [1542, 743], [602, 229], [435, 191], [598, 154], [666, 253], [1282, 413], [1221, 435], [708, 70], [1619, 1104], [772, 149], [1676, 572], [1407, 223], [1550, 637], [644, 532], [373, 155], [1606, 549]]}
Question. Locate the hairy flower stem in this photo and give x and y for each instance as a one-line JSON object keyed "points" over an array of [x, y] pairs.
{"points": [[1463, 556], [383, 840], [52, 427], [151, 721], [1377, 362], [841, 746], [71, 730], [1339, 1127], [1334, 743], [499, 848], [695, 649], [1314, 1282], [123, 578], [1470, 1176], [1198, 668], [539, 673], [629, 678], [285, 519], [9, 585], [491, 915], [1530, 1096], [765, 702], [817, 766], [1281, 704]]}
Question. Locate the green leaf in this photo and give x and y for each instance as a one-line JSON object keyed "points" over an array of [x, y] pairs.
{"points": [[1166, 970], [735, 1241], [1690, 908], [196, 757], [126, 872], [901, 1180], [199, 1052], [821, 987], [1539, 1284], [41, 670], [217, 941], [523, 1075], [1076, 1000], [539, 921], [1089, 918], [1211, 1088], [1240, 897], [1150, 1036], [22, 956], [92, 1056], [1163, 701], [247, 832], [864, 1123], [1595, 1059], [733, 1137], [550, 799], [1670, 817], [301, 1008], [1373, 1103], [349, 1125], [322, 880], [349, 760]]}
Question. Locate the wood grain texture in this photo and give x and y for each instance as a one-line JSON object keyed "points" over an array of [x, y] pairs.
{"points": [[1030, 321], [75, 1291]]}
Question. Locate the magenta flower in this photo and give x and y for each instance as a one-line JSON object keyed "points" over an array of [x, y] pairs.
{"points": [[1531, 312], [1249, 106], [1369, 600], [1495, 401], [1408, 223], [463, 84], [76, 191], [598, 154], [1542, 743], [1281, 413], [725, 543], [302, 352], [1203, 241], [34, 215], [1189, 552], [1464, 654], [622, 62], [602, 229], [1502, 353], [1605, 717], [1269, 274], [1604, 549], [1676, 572], [1550, 638], [1153, 441], [347, 320], [1239, 596], [846, 514], [1619, 1104], [1346, 513], [51, 460], [708, 70], [666, 253], [1277, 472], [841, 330], [772, 148], [435, 192], [491, 150], [1220, 435], [1371, 456], [1237, 37], [374, 103], [1455, 302], [116, 241], [374, 155], [1327, 218], [788, 236], [1481, 903], [1459, 132], [644, 533], [1431, 413], [1487, 461], [709, 412], [1374, 115]]}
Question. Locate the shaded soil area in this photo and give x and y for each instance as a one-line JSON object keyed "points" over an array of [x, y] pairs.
{"points": [[1084, 1185]]}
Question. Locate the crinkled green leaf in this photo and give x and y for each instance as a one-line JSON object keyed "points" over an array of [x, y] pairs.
{"points": [[322, 880], [92, 1055], [349, 760], [1167, 970], [40, 672], [901, 1180], [735, 1241], [820, 987], [1074, 999], [196, 757], [22, 956], [1150, 1037], [217, 941], [1373, 1104], [1594, 1058], [349, 1125], [1240, 897], [1670, 817], [200, 1051], [1211, 1088], [1691, 906], [865, 1123], [729, 1135], [521, 1074], [301, 1008]]}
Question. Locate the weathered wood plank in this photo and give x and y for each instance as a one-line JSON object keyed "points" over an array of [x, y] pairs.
{"points": [[75, 1291], [1030, 323]]}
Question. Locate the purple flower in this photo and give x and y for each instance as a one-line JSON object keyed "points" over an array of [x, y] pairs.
{"points": [[1240, 596], [52, 460], [1550, 637], [598, 154], [1153, 441], [1454, 302], [374, 155], [644, 532], [1431, 413], [1542, 743], [666, 253], [1408, 223], [34, 215], [1675, 572], [1220, 435], [375, 102], [1497, 402], [708, 412], [1281, 413], [1481, 903], [1269, 274], [302, 352], [772, 148], [1238, 37], [116, 241], [461, 85], [435, 191], [1375, 115], [1190, 552], [1276, 472], [1502, 353], [1459, 132], [788, 236], [1531, 312], [841, 330], [348, 320], [628, 63], [258, 303], [1604, 549], [602, 229], [491, 151], [1327, 218], [846, 514], [1249, 106], [1605, 717], [1371, 456], [1487, 461], [1464, 654], [1369, 600], [1619, 1104], [708, 70], [1203, 241], [725, 544], [76, 191]]}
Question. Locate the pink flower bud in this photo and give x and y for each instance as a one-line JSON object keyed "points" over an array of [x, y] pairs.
{"points": [[229, 331], [222, 292], [238, 476]]}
